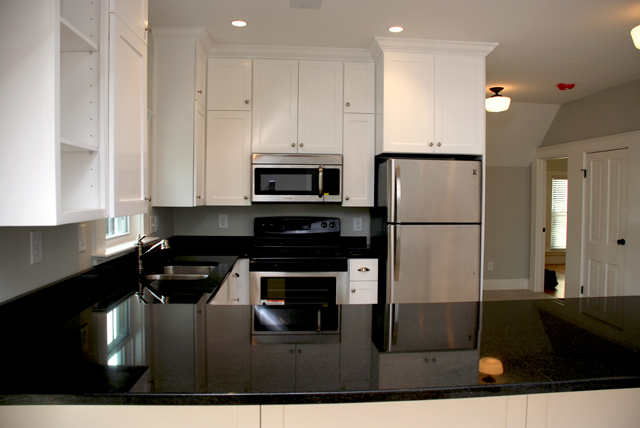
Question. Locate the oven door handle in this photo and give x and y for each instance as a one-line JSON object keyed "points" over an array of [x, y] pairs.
{"points": [[319, 321], [320, 181]]}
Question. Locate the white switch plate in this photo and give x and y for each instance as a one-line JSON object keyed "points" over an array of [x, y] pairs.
{"points": [[490, 266], [152, 224], [223, 221], [36, 247], [357, 224], [82, 237]]}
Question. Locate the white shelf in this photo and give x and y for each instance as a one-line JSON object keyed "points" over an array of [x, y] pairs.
{"points": [[69, 145], [73, 40]]}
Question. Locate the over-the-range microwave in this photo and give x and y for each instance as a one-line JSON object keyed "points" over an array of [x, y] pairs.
{"points": [[296, 178]]}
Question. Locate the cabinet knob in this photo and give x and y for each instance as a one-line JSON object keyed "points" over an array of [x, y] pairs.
{"points": [[237, 275], [346, 198], [364, 269], [246, 197], [237, 299], [353, 290], [439, 144], [348, 104], [299, 351], [293, 144], [147, 198], [301, 144], [621, 241], [198, 197], [200, 91], [246, 101], [430, 144], [147, 27], [291, 351]]}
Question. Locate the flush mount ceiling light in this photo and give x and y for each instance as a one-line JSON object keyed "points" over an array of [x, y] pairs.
{"points": [[238, 23], [497, 102], [635, 35], [395, 29]]}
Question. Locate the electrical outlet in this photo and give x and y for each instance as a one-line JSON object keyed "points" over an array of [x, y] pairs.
{"points": [[490, 266], [152, 224], [36, 247], [82, 237], [357, 224], [223, 221]]}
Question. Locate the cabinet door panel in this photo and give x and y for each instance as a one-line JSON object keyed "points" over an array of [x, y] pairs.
{"points": [[359, 87], [320, 109], [317, 367], [273, 368], [127, 120], [199, 161], [134, 14], [275, 106], [459, 112], [200, 94], [229, 84], [358, 160], [228, 158]]}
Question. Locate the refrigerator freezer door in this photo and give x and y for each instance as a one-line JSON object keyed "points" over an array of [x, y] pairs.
{"points": [[434, 191], [433, 263]]}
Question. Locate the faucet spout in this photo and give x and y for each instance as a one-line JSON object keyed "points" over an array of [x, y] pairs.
{"points": [[162, 245]]}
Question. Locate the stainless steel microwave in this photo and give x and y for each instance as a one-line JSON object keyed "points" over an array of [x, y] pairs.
{"points": [[296, 178]]}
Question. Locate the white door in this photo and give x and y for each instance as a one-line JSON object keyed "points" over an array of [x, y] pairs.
{"points": [[358, 161], [127, 121], [605, 208]]}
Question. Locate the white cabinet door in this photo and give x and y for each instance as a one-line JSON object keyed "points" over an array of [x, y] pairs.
{"points": [[320, 107], [228, 171], [127, 121], [359, 87], [407, 96], [229, 84], [358, 160], [200, 86], [459, 104], [134, 13], [363, 292], [275, 106], [363, 281], [199, 161]]}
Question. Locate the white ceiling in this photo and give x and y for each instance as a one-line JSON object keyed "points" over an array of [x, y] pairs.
{"points": [[541, 42]]}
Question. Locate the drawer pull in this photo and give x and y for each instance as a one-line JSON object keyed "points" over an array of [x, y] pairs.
{"points": [[364, 269]]}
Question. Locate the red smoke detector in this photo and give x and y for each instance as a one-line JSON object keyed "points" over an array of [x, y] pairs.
{"points": [[565, 86]]}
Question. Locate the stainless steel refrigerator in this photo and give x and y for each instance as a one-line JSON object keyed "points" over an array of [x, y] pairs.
{"points": [[433, 229]]}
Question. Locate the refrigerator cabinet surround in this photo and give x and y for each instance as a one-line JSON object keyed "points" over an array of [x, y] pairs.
{"points": [[430, 190], [433, 263]]}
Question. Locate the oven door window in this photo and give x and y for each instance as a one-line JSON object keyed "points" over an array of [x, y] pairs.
{"points": [[298, 290], [299, 319], [286, 181]]}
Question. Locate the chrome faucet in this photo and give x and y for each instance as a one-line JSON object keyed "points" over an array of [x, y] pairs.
{"points": [[162, 245]]}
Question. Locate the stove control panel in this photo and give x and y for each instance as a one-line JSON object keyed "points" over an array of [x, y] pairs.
{"points": [[298, 226]]}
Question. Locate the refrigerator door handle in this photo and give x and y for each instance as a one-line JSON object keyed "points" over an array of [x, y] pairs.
{"points": [[396, 254], [396, 322], [398, 198]]}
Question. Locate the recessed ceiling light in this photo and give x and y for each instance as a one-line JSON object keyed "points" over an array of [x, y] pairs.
{"points": [[396, 29], [239, 23]]}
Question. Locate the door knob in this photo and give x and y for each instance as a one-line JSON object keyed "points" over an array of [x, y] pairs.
{"points": [[621, 241]]}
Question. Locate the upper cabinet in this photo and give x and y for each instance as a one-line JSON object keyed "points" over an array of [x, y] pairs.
{"points": [[430, 96], [134, 14], [180, 116], [297, 106], [229, 84], [359, 87], [89, 76]]}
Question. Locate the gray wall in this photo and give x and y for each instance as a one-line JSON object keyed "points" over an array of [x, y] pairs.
{"points": [[507, 222], [610, 112]]}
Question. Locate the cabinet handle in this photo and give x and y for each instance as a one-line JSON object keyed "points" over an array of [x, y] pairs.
{"points": [[430, 144], [301, 144], [246, 101], [364, 269], [353, 290], [236, 275], [346, 198], [439, 144], [348, 104], [147, 198], [198, 197]]}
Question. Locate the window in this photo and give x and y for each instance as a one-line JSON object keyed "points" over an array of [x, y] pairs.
{"points": [[117, 333], [116, 227], [558, 213]]}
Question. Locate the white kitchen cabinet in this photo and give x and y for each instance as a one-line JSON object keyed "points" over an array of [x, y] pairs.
{"points": [[358, 160], [179, 143], [428, 100], [229, 84], [237, 283], [128, 193], [228, 155], [83, 159], [134, 14], [363, 281], [359, 87], [297, 106]]}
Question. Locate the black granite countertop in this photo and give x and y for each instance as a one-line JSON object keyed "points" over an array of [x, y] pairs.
{"points": [[89, 340]]}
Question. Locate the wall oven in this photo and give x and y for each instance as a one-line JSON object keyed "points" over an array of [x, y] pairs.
{"points": [[296, 178]]}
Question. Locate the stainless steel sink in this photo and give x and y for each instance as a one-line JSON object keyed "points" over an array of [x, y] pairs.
{"points": [[182, 273]]}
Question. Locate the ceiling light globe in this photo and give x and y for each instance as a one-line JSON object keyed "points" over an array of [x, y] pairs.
{"points": [[395, 29], [238, 23], [497, 104], [635, 35]]}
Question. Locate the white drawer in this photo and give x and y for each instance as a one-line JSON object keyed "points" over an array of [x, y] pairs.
{"points": [[363, 269]]}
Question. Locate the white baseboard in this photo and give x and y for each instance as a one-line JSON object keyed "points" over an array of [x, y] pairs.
{"points": [[506, 284]]}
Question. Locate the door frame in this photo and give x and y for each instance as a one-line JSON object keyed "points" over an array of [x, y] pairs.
{"points": [[576, 154]]}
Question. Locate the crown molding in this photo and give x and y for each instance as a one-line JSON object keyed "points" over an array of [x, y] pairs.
{"points": [[288, 52], [381, 44]]}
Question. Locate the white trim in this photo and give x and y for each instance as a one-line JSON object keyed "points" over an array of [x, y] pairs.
{"points": [[288, 52], [381, 44], [116, 251], [506, 284]]}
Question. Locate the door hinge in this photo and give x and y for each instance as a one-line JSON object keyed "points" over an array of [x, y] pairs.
{"points": [[584, 172], [582, 289]]}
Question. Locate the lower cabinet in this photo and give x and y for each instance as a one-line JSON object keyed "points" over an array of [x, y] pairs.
{"points": [[363, 281]]}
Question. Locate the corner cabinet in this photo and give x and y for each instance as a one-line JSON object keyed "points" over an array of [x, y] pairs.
{"points": [[430, 96], [78, 153], [180, 116]]}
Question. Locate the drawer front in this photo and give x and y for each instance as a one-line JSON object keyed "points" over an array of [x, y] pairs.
{"points": [[363, 269]]}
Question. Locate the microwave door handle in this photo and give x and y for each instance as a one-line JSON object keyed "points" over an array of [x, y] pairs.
{"points": [[320, 181]]}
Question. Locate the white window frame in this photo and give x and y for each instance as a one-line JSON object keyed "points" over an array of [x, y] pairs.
{"points": [[558, 230], [109, 248]]}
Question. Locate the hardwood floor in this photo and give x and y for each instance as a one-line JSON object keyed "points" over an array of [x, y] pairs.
{"points": [[560, 271], [558, 293]]}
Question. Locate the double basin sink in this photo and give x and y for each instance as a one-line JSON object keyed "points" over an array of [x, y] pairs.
{"points": [[182, 273]]}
